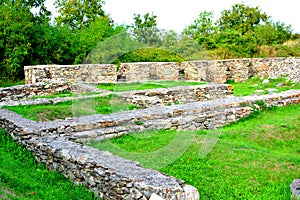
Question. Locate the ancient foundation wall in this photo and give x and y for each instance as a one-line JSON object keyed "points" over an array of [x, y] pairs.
{"points": [[112, 177], [217, 71], [19, 92], [177, 95], [96, 73]]}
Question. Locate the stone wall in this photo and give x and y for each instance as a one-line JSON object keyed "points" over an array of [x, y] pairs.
{"points": [[135, 72], [217, 71], [177, 95], [191, 116], [112, 177], [239, 70], [19, 92], [97, 73]]}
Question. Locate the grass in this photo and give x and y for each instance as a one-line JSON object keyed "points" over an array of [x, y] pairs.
{"points": [[255, 158], [121, 87], [112, 103], [21, 178], [252, 84], [9, 84], [65, 94], [78, 107], [57, 95], [149, 55]]}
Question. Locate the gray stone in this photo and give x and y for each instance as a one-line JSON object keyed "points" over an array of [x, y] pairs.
{"points": [[295, 188], [279, 85], [265, 81]]}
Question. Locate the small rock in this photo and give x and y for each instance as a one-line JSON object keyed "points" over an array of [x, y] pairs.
{"points": [[295, 188], [266, 81], [259, 91], [155, 197], [279, 85], [271, 90]]}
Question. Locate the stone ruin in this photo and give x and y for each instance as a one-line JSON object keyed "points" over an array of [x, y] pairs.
{"points": [[58, 143], [216, 71]]}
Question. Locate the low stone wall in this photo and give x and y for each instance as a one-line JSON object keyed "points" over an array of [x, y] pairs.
{"points": [[217, 71], [239, 70], [139, 72], [112, 177], [190, 116], [177, 95], [96, 73], [19, 92]]}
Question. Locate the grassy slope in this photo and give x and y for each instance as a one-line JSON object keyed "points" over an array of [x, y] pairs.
{"points": [[21, 178], [256, 158]]}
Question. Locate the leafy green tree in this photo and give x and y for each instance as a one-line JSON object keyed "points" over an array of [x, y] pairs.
{"points": [[242, 18], [20, 35], [202, 26], [169, 39], [89, 37], [145, 30], [190, 49], [273, 33], [113, 47], [202, 30], [231, 43], [78, 13], [239, 32]]}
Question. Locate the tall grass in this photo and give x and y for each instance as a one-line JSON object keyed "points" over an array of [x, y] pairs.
{"points": [[21, 178]]}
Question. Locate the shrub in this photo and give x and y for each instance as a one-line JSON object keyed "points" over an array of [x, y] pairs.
{"points": [[149, 55]]}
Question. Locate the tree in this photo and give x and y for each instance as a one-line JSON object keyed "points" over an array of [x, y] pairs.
{"points": [[78, 13], [20, 35], [242, 18], [201, 27], [169, 39], [202, 30], [89, 37], [273, 33], [145, 30], [113, 47], [191, 50]]}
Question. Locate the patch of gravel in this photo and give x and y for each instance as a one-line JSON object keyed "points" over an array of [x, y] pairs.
{"points": [[5, 193]]}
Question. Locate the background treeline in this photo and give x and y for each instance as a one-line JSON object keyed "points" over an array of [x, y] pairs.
{"points": [[84, 33]]}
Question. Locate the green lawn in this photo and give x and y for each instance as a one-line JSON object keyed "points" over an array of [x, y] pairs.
{"points": [[65, 94], [121, 87], [248, 87], [112, 103], [78, 107], [255, 158], [9, 84], [21, 178]]}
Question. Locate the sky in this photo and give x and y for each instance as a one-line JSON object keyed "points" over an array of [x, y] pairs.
{"points": [[177, 15]]}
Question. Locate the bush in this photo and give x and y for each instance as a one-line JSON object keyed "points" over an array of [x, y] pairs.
{"points": [[149, 55]]}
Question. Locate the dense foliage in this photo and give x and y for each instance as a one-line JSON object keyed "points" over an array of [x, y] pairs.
{"points": [[29, 38], [149, 55], [239, 32], [84, 33]]}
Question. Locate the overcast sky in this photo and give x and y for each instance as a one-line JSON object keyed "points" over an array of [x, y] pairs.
{"points": [[176, 15]]}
